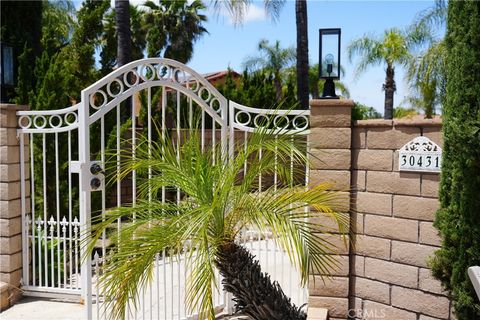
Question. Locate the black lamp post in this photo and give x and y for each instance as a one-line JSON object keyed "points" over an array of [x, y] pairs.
{"points": [[6, 70], [329, 65]]}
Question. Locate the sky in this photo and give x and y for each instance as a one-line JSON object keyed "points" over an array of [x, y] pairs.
{"points": [[227, 45]]}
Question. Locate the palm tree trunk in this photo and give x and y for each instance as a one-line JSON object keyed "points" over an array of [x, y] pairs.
{"points": [[302, 52], [278, 86], [124, 43], [124, 36], [254, 293], [389, 88]]}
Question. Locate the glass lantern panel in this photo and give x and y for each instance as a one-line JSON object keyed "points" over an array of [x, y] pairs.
{"points": [[329, 59], [7, 65]]}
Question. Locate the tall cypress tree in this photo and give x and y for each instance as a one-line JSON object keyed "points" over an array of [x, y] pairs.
{"points": [[458, 220]]}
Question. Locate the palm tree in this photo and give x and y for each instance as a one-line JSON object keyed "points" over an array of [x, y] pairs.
{"points": [[173, 27], [302, 52], [220, 200], [393, 48], [426, 72], [273, 59], [108, 54]]}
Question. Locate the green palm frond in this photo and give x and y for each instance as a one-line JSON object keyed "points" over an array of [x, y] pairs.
{"points": [[395, 46], [238, 8], [273, 57], [426, 76], [273, 8], [253, 63], [370, 50], [219, 200], [433, 16]]}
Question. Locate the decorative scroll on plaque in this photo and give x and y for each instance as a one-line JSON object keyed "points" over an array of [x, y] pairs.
{"points": [[420, 155]]}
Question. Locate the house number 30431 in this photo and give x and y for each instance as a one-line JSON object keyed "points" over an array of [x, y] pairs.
{"points": [[421, 155], [420, 161]]}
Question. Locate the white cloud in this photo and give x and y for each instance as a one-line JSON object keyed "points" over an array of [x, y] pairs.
{"points": [[255, 13], [252, 13]]}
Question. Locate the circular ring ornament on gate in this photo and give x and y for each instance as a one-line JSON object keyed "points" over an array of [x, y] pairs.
{"points": [[35, 123], [201, 94], [68, 115], [144, 73], [120, 88], [297, 125], [126, 77], [215, 105], [93, 99], [57, 118], [27, 125], [281, 118], [245, 123], [193, 88], [163, 72], [263, 122], [178, 75]]}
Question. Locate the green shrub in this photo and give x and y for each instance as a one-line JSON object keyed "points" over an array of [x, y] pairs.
{"points": [[257, 89], [459, 217], [361, 111]]}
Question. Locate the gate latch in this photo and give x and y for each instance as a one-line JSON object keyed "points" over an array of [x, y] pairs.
{"points": [[97, 179]]}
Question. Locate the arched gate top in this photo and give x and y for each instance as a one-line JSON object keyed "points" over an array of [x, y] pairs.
{"points": [[104, 94]]}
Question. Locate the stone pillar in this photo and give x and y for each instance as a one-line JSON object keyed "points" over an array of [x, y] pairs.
{"points": [[10, 205], [330, 141]]}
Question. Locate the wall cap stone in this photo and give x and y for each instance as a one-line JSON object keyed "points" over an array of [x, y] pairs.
{"points": [[331, 103], [436, 122], [373, 123], [16, 107]]}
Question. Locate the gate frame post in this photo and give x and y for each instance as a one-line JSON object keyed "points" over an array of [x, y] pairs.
{"points": [[85, 214]]}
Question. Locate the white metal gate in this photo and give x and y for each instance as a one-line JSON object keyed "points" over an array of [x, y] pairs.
{"points": [[243, 121], [62, 198]]}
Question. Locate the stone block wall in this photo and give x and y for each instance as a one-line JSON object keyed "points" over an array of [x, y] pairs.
{"points": [[394, 216], [391, 217], [10, 204]]}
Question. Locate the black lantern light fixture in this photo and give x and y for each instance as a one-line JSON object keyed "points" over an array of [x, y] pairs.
{"points": [[329, 64]]}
